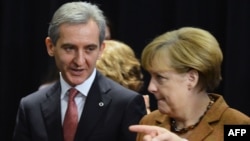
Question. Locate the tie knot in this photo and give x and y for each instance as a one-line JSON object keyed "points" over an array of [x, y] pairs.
{"points": [[72, 93]]}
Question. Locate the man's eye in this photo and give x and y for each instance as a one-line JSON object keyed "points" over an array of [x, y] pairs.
{"points": [[90, 48], [68, 48]]}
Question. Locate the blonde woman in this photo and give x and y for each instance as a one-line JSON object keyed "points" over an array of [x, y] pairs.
{"points": [[119, 63], [185, 68]]}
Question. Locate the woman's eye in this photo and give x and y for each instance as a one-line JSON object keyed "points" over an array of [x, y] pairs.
{"points": [[159, 77]]}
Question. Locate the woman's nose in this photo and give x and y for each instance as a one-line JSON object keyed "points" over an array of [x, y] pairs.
{"points": [[151, 87]]}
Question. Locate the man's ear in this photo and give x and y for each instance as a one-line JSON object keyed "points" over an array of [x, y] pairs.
{"points": [[50, 46], [102, 47], [193, 78]]}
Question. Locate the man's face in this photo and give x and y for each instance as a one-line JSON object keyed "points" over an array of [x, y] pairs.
{"points": [[76, 51]]}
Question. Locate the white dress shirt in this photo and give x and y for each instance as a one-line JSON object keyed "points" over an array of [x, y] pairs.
{"points": [[81, 96]]}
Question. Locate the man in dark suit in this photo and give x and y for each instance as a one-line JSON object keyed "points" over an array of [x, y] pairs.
{"points": [[104, 108]]}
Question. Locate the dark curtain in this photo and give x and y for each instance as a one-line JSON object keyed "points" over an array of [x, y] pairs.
{"points": [[24, 60]]}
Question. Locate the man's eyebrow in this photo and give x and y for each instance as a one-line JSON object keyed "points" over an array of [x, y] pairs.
{"points": [[67, 44]]}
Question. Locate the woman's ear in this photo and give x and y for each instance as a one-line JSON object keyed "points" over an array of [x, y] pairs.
{"points": [[193, 78], [50, 46]]}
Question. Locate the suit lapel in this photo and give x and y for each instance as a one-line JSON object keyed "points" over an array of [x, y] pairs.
{"points": [[52, 113], [96, 103]]}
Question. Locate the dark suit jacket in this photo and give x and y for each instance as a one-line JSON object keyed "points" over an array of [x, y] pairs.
{"points": [[39, 114]]}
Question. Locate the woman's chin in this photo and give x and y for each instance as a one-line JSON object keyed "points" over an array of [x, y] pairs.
{"points": [[162, 106]]}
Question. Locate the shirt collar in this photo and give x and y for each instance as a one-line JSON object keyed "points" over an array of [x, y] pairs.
{"points": [[82, 88]]}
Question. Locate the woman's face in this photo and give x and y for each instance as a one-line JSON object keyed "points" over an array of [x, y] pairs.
{"points": [[171, 90]]}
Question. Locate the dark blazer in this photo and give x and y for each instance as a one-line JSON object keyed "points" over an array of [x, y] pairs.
{"points": [[39, 114]]}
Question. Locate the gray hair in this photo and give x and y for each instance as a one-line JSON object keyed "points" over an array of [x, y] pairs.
{"points": [[76, 13]]}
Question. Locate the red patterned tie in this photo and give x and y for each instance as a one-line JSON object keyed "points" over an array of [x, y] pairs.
{"points": [[71, 117]]}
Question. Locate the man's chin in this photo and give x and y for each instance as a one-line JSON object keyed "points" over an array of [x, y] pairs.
{"points": [[73, 81]]}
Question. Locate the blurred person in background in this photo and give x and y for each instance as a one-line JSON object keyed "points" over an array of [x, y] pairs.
{"points": [[118, 62]]}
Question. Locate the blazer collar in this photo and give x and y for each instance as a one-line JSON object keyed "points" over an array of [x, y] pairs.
{"points": [[204, 128], [217, 109], [96, 104], [50, 108]]}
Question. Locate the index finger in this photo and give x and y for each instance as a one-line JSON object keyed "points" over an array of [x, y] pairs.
{"points": [[147, 129]]}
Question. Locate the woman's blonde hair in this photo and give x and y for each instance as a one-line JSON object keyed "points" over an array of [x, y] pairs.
{"points": [[119, 63], [185, 49]]}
